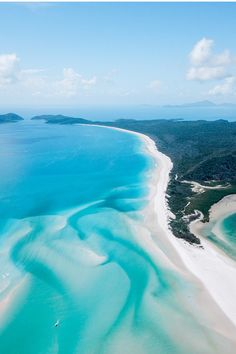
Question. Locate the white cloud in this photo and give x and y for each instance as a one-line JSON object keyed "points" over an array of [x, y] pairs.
{"points": [[9, 69], [201, 52], [224, 88], [11, 73], [155, 85], [223, 58], [69, 85], [72, 83], [37, 83], [204, 73], [205, 64]]}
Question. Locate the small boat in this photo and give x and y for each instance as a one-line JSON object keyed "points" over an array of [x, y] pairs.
{"points": [[57, 323]]}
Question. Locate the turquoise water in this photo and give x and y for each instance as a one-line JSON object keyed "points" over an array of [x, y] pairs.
{"points": [[228, 229], [222, 233], [229, 225], [77, 274]]}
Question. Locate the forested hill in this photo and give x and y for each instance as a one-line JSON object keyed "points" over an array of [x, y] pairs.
{"points": [[60, 119], [200, 150]]}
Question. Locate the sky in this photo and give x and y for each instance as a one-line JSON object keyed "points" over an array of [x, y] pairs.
{"points": [[70, 54]]}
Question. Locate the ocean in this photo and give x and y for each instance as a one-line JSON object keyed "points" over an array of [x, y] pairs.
{"points": [[81, 267]]}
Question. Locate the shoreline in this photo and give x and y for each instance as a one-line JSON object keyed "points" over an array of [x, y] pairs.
{"points": [[217, 213], [215, 272], [226, 206], [211, 267], [158, 277]]}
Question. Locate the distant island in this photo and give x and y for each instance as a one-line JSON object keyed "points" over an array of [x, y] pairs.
{"points": [[199, 104], [204, 159], [10, 118], [60, 119]]}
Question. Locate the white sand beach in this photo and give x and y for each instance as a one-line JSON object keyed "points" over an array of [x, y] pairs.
{"points": [[199, 188], [212, 273], [224, 207], [211, 265], [216, 272]]}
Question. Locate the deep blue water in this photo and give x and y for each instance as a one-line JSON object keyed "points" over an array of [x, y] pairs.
{"points": [[55, 168]]}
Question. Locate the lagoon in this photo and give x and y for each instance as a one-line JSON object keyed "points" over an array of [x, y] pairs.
{"points": [[85, 267]]}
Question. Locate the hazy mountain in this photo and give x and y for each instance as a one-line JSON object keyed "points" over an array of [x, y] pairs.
{"points": [[204, 103]]}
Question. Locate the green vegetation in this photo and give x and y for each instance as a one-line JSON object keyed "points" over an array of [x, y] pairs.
{"points": [[201, 151], [204, 201], [194, 147]]}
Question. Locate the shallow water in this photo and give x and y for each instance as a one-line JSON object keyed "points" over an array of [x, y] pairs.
{"points": [[229, 227], [222, 232], [77, 273]]}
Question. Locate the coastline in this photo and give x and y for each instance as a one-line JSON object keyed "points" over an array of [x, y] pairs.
{"points": [[224, 207], [158, 187], [165, 294], [218, 211], [216, 271], [208, 269]]}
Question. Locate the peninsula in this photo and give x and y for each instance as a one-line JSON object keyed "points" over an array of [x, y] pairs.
{"points": [[204, 162]]}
